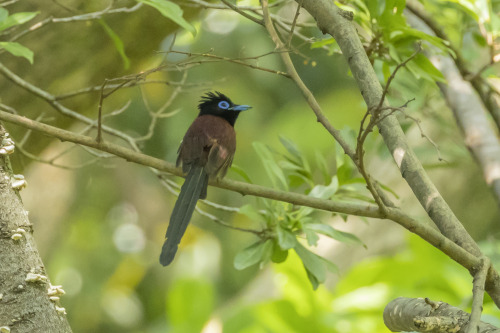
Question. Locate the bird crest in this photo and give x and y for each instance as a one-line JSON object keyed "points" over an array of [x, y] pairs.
{"points": [[212, 98]]}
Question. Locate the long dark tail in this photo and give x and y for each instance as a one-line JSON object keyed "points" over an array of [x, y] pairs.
{"points": [[193, 188]]}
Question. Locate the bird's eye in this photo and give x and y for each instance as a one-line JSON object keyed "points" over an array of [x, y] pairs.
{"points": [[223, 105]]}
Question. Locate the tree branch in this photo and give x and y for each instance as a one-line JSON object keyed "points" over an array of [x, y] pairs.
{"points": [[429, 234], [338, 24], [424, 315], [478, 295], [25, 305]]}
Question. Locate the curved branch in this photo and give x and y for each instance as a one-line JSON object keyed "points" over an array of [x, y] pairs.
{"points": [[424, 231]]}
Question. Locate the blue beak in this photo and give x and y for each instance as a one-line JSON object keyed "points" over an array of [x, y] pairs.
{"points": [[240, 107]]}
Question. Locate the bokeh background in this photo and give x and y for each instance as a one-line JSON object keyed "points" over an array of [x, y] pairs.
{"points": [[100, 222]]}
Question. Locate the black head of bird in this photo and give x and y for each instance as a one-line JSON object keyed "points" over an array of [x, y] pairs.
{"points": [[206, 151], [220, 105]]}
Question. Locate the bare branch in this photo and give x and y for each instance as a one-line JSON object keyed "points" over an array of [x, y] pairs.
{"points": [[393, 75], [58, 106], [294, 23], [215, 58], [83, 17], [478, 295]]}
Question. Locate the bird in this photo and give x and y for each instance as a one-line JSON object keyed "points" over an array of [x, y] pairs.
{"points": [[206, 152]]}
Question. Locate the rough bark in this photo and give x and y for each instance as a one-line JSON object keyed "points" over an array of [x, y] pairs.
{"points": [[423, 315], [28, 303]]}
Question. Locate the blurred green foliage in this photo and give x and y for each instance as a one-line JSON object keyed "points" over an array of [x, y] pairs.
{"points": [[100, 226]]}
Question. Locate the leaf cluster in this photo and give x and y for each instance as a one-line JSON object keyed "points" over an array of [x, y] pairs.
{"points": [[287, 227], [9, 21]]}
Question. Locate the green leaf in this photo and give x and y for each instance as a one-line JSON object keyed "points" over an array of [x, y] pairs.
{"points": [[4, 13], [316, 270], [311, 237], [329, 231], [171, 11], [252, 213], [422, 67], [330, 266], [286, 239], [253, 254], [292, 148], [18, 50], [279, 255], [290, 166], [118, 43], [242, 173], [325, 192], [273, 171], [323, 166], [388, 189], [189, 304], [344, 173], [14, 19], [467, 7]]}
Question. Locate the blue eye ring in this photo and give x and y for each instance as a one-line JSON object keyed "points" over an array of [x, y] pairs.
{"points": [[223, 105]]}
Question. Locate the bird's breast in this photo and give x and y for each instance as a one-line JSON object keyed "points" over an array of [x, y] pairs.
{"points": [[209, 139]]}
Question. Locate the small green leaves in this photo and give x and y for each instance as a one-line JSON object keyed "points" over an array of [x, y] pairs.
{"points": [[242, 173], [329, 231], [286, 239], [274, 172], [260, 251], [315, 266], [118, 43], [422, 67], [18, 50], [279, 255], [395, 40], [252, 213], [171, 11], [284, 223], [8, 21]]}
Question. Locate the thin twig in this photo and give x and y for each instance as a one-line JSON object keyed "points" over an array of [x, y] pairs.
{"points": [[161, 111], [83, 17], [478, 295], [239, 61], [242, 13], [99, 113], [51, 161], [227, 225], [49, 98], [294, 23], [112, 86], [7, 3], [425, 136], [393, 75]]}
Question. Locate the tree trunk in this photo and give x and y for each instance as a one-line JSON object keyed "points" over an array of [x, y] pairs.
{"points": [[28, 302]]}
